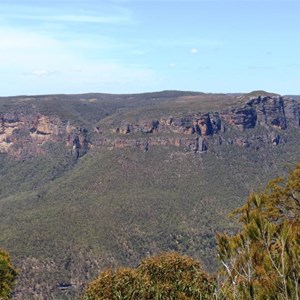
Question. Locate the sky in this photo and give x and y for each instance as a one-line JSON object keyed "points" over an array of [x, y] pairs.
{"points": [[125, 46]]}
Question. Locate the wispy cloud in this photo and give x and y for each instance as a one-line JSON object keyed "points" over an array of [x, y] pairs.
{"points": [[30, 56], [40, 73], [106, 19], [25, 47], [65, 11], [194, 50], [19, 39]]}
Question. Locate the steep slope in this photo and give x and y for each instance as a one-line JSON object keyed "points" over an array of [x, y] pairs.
{"points": [[94, 181]]}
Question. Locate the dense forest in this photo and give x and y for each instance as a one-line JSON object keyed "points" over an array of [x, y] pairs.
{"points": [[260, 261]]}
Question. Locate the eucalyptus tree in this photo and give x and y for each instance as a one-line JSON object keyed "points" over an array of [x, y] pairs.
{"points": [[262, 260]]}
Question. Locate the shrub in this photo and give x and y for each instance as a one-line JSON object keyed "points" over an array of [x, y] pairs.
{"points": [[7, 275], [166, 276]]}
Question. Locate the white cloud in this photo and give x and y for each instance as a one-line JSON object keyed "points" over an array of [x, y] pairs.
{"points": [[172, 65], [27, 50], [19, 40], [37, 55], [109, 19], [40, 73], [77, 12], [194, 50]]}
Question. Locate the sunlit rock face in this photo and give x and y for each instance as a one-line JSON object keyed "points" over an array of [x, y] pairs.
{"points": [[195, 132]]}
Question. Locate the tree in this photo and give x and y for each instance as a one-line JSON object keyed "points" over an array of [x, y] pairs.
{"points": [[262, 261], [7, 275], [166, 276]]}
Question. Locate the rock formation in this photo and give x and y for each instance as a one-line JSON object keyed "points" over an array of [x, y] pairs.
{"points": [[271, 112], [8, 124], [195, 132]]}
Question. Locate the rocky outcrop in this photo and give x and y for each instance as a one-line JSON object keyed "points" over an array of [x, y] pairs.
{"points": [[22, 134], [203, 124], [8, 124], [292, 113], [196, 132], [276, 111], [43, 129], [77, 139], [243, 118], [271, 112]]}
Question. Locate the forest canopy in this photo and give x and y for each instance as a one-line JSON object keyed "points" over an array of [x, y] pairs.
{"points": [[260, 261]]}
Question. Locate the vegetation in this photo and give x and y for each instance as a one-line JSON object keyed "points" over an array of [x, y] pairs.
{"points": [[7, 275], [63, 219], [261, 261], [166, 276]]}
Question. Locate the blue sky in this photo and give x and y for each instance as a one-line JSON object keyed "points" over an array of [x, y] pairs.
{"points": [[123, 46]]}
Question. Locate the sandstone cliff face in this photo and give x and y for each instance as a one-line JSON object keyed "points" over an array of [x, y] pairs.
{"points": [[43, 129], [243, 118], [272, 113], [8, 124], [203, 124], [195, 132], [22, 134], [276, 112]]}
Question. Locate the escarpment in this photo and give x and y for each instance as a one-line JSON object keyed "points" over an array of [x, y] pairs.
{"points": [[26, 135], [196, 132], [257, 122]]}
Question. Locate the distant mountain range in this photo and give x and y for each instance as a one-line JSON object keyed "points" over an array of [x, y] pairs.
{"points": [[99, 180]]}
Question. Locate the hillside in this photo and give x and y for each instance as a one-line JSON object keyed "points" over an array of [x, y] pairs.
{"points": [[98, 180]]}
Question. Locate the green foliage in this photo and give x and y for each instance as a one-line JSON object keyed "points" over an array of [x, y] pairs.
{"points": [[7, 275], [63, 218], [262, 261], [167, 276], [119, 284]]}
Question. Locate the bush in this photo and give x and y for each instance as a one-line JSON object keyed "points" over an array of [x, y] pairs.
{"points": [[167, 276], [7, 276]]}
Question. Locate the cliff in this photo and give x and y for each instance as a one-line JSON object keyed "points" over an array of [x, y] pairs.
{"points": [[197, 131], [22, 133]]}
